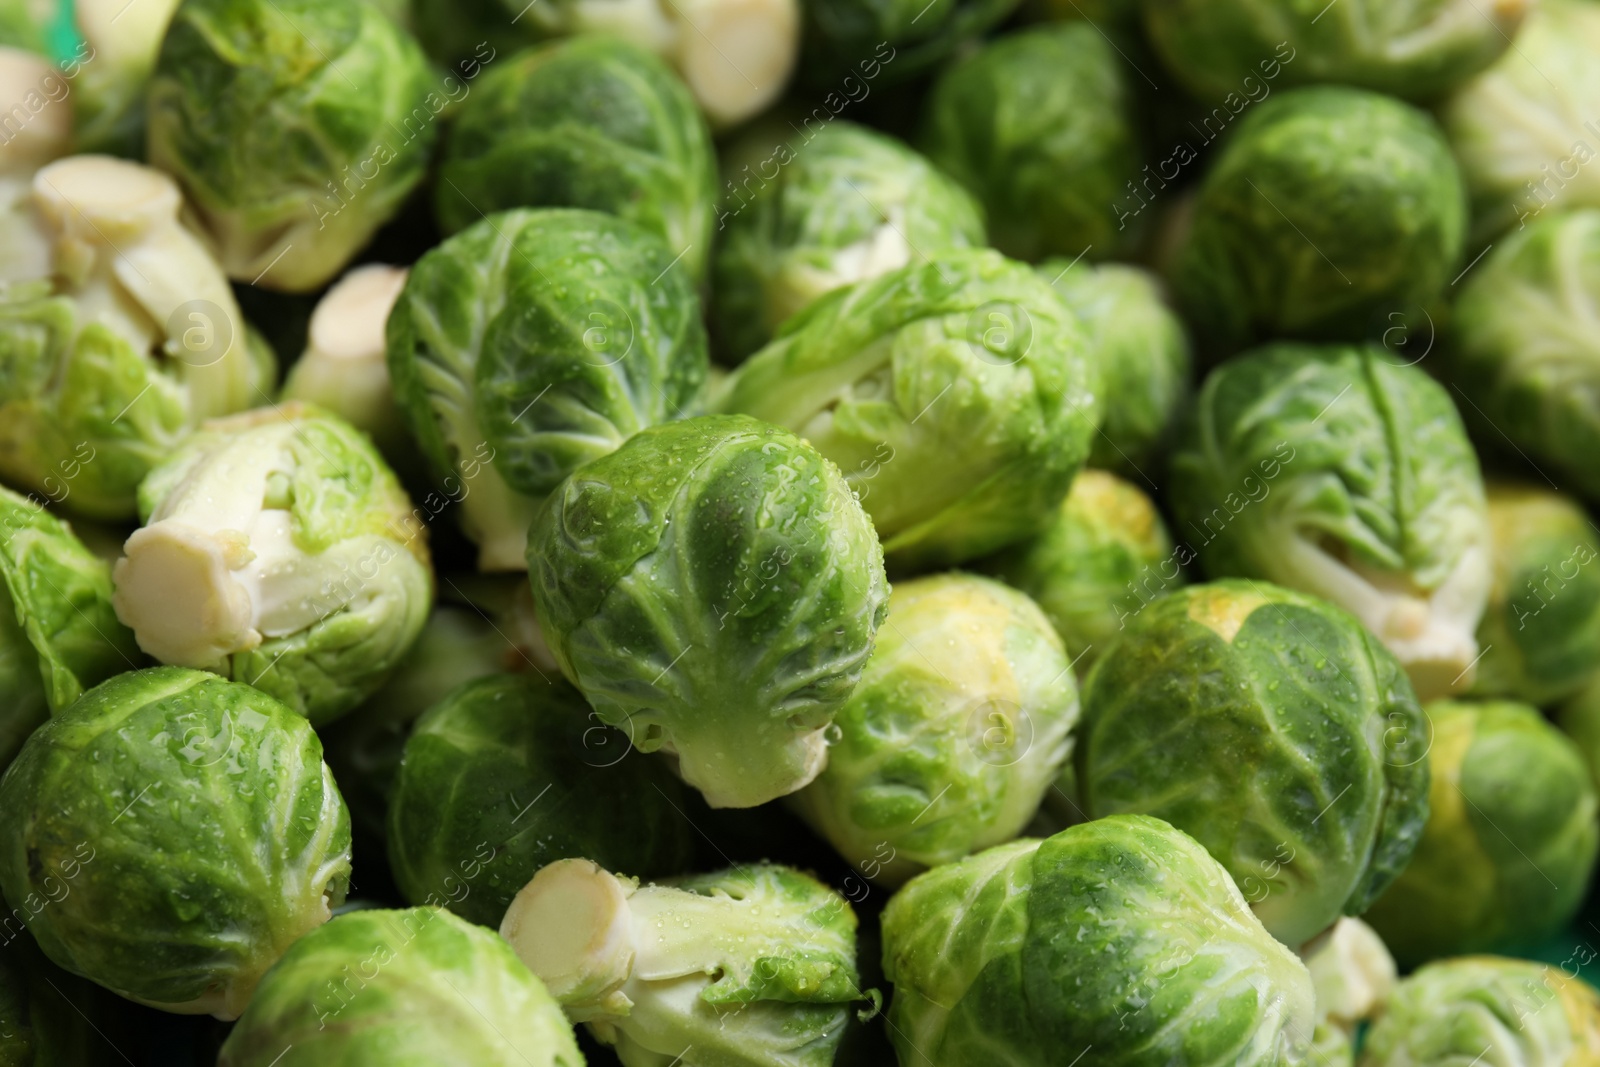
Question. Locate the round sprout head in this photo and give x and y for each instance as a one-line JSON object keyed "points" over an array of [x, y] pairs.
{"points": [[713, 588], [278, 549], [1039, 125], [1300, 750], [591, 122], [530, 344], [509, 773], [170, 835], [412, 988], [1104, 557], [846, 205], [958, 395], [957, 730], [887, 41], [1337, 472], [1119, 936], [1326, 211], [1510, 842], [749, 967]]}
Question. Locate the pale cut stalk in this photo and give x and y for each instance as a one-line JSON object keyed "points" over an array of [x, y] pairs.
{"points": [[736, 55], [752, 776], [345, 367], [1352, 971], [573, 927], [124, 34], [37, 125]]}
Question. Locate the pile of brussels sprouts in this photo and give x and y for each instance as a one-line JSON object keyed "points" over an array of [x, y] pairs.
{"points": [[780, 533]]}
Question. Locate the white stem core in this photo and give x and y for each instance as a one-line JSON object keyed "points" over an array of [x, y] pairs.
{"points": [[572, 926]]}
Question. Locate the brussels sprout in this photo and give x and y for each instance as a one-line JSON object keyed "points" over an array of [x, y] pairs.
{"points": [[413, 988], [169, 835], [1334, 471], [1510, 841], [936, 758], [1511, 1011], [1524, 352], [278, 549], [1526, 129], [589, 122], [1104, 557], [891, 40], [1288, 743], [1143, 353], [103, 282], [470, 824], [1326, 209], [1579, 718], [958, 394], [713, 588], [58, 632], [1040, 126], [296, 127], [1119, 941], [749, 967], [511, 379], [1541, 634], [847, 205], [1417, 49]]}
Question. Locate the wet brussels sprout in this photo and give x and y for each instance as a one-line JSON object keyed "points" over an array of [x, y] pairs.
{"points": [[1326, 210], [170, 834], [935, 758], [1334, 471], [279, 550], [1526, 129], [296, 127], [1416, 49], [413, 988], [510, 379], [1451, 1011], [1291, 746], [1523, 351], [888, 41], [1119, 941], [749, 967], [591, 122], [1039, 125], [846, 205], [109, 366], [713, 588], [959, 396], [1143, 353], [1510, 842], [1352, 973], [1541, 633], [1105, 556], [58, 632], [470, 822]]}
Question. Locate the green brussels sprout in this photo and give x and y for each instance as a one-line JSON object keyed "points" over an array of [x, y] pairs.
{"points": [[1326, 209], [169, 835], [469, 822], [1290, 745], [58, 632], [1526, 129], [1541, 633], [1336, 472], [296, 127], [1352, 973], [1579, 718], [713, 588], [510, 379], [748, 967], [1418, 49], [958, 394], [933, 759], [1039, 125], [849, 204], [1523, 349], [118, 334], [279, 550], [892, 41], [1143, 353], [1119, 942], [1104, 557], [591, 122], [1510, 842], [413, 988], [1511, 1011]]}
